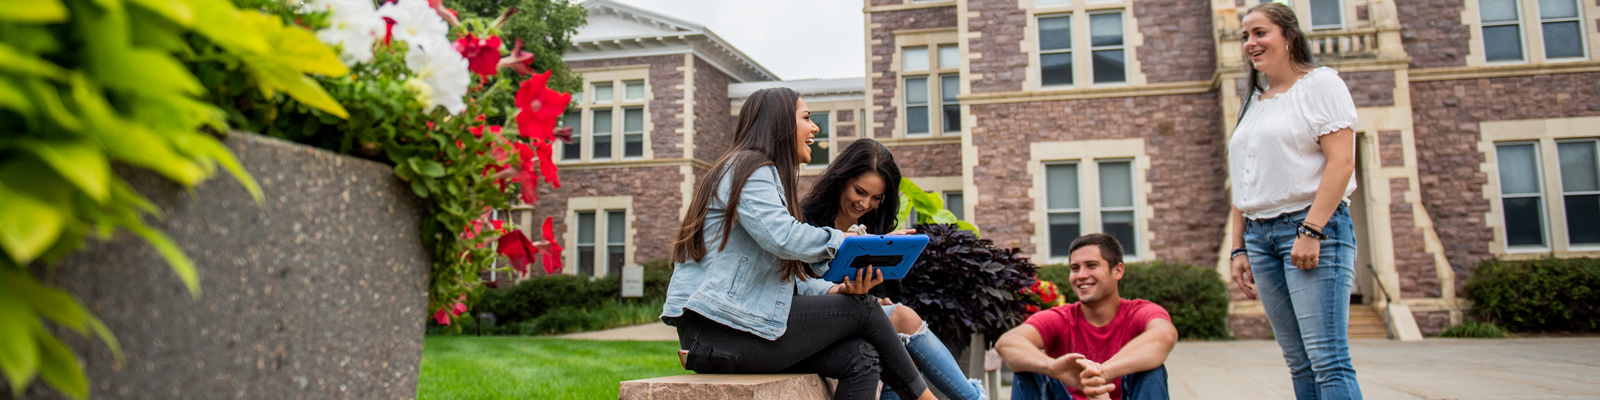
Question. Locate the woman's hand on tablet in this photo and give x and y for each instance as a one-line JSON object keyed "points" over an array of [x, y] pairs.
{"points": [[866, 278], [903, 232]]}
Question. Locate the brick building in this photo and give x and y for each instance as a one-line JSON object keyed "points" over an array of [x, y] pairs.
{"points": [[1039, 120]]}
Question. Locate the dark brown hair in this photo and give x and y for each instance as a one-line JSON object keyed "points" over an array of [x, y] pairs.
{"points": [[1299, 46], [1110, 250], [765, 136], [864, 156]]}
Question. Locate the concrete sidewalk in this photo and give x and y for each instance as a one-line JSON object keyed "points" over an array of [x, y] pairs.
{"points": [[647, 332]]}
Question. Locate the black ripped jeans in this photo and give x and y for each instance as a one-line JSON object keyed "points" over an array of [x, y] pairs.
{"points": [[837, 336]]}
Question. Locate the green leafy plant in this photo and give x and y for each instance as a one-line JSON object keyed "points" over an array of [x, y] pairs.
{"points": [[1195, 297], [929, 208], [1474, 330], [88, 84], [1548, 294]]}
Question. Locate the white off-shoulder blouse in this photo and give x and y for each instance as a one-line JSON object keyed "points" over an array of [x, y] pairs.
{"points": [[1274, 156]]}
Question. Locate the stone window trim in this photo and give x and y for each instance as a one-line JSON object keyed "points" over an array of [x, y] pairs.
{"points": [[1082, 55], [600, 206], [1531, 34], [1545, 134], [932, 40], [620, 78], [1087, 154]]}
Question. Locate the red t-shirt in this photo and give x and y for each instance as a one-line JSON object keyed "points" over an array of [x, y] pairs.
{"points": [[1065, 330]]}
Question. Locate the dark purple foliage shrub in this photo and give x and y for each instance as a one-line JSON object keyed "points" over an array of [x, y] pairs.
{"points": [[963, 285]]}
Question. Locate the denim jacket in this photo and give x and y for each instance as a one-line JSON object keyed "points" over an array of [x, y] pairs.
{"points": [[741, 285]]}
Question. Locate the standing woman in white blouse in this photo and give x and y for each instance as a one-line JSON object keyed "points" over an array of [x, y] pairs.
{"points": [[1291, 160]]}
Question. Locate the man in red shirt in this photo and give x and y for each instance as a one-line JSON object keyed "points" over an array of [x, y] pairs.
{"points": [[1102, 347]]}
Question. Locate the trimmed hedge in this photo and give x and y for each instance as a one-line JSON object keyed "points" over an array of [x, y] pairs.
{"points": [[1196, 297], [1556, 295], [536, 297]]}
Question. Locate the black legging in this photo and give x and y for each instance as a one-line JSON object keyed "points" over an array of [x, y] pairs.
{"points": [[837, 336]]}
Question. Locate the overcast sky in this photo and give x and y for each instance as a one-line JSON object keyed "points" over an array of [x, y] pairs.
{"points": [[794, 39]]}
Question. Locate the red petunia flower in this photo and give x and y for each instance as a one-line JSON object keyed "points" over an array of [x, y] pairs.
{"points": [[526, 175], [549, 248], [547, 164], [483, 55], [517, 248], [539, 108], [458, 309], [520, 61], [1031, 308], [442, 317]]}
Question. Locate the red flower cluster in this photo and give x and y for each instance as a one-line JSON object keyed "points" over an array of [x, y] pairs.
{"points": [[443, 315]]}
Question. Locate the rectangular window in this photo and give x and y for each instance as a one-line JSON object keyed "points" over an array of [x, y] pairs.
{"points": [[586, 243], [602, 92], [573, 151], [602, 135], [956, 204], [633, 90], [917, 105], [1520, 195], [1502, 35], [1327, 14], [949, 56], [1061, 207], [914, 58], [1105, 41], [616, 241], [1055, 50], [819, 148], [1580, 190], [633, 132], [1116, 204], [1563, 32], [950, 115]]}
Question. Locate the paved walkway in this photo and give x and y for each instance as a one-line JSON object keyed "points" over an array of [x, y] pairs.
{"points": [[1546, 368]]}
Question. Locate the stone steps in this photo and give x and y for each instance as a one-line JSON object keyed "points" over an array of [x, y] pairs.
{"points": [[1367, 323]]}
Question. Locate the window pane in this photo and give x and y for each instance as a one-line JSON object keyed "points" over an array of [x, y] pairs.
{"points": [[615, 256], [1578, 168], [602, 122], [956, 204], [1108, 66], [1502, 43], [949, 56], [917, 90], [633, 145], [586, 227], [1061, 186], [635, 90], [1105, 29], [633, 120], [602, 134], [1055, 33], [949, 88], [586, 260], [1116, 184], [602, 92], [1583, 219], [1497, 10], [616, 226], [1064, 227], [569, 151], [824, 127], [1524, 225], [915, 59], [602, 147], [1325, 13], [1561, 40], [1055, 69], [1119, 224], [917, 119], [952, 118], [1519, 171], [1558, 9], [819, 149]]}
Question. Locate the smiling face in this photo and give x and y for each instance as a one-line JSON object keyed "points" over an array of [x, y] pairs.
{"points": [[806, 131], [861, 194], [1265, 43], [1092, 279]]}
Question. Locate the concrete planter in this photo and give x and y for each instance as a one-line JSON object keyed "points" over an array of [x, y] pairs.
{"points": [[319, 292]]}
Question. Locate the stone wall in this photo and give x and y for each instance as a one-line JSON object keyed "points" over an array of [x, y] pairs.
{"points": [[1412, 261], [885, 80], [320, 291], [666, 101], [928, 160], [1432, 33], [1446, 114], [1250, 326], [1431, 323], [1178, 40], [1183, 140], [998, 47], [657, 198], [1371, 88], [713, 130]]}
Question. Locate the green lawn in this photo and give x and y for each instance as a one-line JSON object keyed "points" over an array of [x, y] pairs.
{"points": [[517, 367]]}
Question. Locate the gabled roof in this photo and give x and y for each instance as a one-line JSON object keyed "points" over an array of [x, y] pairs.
{"points": [[616, 30]]}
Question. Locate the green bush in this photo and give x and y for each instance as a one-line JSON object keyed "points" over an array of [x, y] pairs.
{"points": [[1194, 296], [1538, 295], [567, 319], [1474, 329], [535, 297]]}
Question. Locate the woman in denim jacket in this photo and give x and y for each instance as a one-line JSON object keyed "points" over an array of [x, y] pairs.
{"points": [[741, 294]]}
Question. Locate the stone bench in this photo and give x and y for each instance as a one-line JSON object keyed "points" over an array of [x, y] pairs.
{"points": [[727, 387]]}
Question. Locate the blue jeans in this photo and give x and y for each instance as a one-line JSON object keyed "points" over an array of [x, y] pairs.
{"points": [[1147, 385], [938, 366], [1309, 309]]}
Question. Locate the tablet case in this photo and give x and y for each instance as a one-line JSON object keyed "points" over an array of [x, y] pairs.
{"points": [[893, 254]]}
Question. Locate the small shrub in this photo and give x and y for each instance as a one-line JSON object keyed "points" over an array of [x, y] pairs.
{"points": [[1195, 297], [1474, 329], [534, 297], [963, 285], [1538, 295]]}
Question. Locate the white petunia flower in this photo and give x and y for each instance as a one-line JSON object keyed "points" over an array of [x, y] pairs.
{"points": [[353, 24], [415, 21], [438, 64]]}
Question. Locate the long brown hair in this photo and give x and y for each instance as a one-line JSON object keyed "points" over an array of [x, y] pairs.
{"points": [[765, 136], [1299, 46]]}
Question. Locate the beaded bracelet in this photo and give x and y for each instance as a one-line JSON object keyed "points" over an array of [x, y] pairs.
{"points": [[1313, 233], [1238, 252]]}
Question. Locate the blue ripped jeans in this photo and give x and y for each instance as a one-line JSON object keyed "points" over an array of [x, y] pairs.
{"points": [[937, 365], [1309, 308]]}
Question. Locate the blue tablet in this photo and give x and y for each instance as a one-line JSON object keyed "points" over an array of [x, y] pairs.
{"points": [[893, 254]]}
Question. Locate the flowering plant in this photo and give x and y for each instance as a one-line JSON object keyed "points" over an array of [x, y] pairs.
{"points": [[1043, 295]]}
